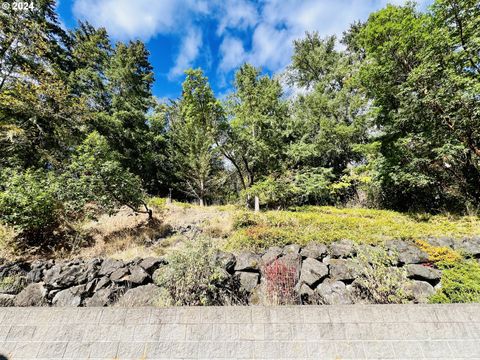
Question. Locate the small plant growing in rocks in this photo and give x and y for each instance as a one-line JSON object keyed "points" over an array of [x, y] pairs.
{"points": [[194, 276], [379, 281], [280, 280]]}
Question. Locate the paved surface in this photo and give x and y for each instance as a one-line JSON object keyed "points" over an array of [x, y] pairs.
{"points": [[313, 332]]}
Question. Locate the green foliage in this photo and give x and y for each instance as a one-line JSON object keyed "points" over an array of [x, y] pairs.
{"points": [[460, 283], [12, 284], [292, 188], [254, 140], [194, 277], [327, 224], [29, 202], [95, 175], [331, 119], [194, 126], [378, 279], [422, 72]]}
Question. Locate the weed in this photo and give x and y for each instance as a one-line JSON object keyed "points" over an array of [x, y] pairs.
{"points": [[460, 283]]}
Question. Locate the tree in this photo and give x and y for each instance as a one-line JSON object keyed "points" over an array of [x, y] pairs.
{"points": [[95, 175], [331, 118], [130, 78], [194, 125], [422, 72], [254, 139], [39, 118]]}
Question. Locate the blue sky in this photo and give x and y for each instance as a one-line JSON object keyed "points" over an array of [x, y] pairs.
{"points": [[216, 35]]}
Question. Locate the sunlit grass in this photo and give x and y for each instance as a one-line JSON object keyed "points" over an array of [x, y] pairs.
{"points": [[327, 224]]}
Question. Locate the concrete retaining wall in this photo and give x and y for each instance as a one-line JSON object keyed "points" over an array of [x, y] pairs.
{"points": [[313, 332]]}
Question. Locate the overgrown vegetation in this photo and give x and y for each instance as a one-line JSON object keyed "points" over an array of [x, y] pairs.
{"points": [[387, 120], [460, 282], [379, 281], [194, 276], [280, 279], [327, 224]]}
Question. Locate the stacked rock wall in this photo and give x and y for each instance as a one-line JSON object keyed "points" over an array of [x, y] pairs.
{"points": [[322, 272]]}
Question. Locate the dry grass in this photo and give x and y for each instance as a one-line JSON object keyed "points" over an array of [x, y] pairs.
{"points": [[123, 235], [7, 234]]}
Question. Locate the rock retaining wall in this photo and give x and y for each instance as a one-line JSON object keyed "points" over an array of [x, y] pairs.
{"points": [[321, 272]]}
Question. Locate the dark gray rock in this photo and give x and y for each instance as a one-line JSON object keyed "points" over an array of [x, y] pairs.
{"points": [[36, 272], [469, 246], [342, 249], [226, 260], [137, 276], [248, 280], [421, 272], [90, 271], [343, 269], [313, 271], [333, 292], [90, 286], [71, 297], [151, 264], [119, 274], [146, 295], [420, 290], [407, 253], [102, 297], [291, 249], [33, 295], [306, 292], [102, 283], [314, 251], [109, 266], [7, 300], [247, 261], [271, 255], [68, 276], [13, 277], [442, 241]]}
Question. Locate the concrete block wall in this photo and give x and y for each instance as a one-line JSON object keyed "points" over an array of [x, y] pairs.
{"points": [[290, 332]]}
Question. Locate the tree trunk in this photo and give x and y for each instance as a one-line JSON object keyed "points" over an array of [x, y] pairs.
{"points": [[257, 204]]}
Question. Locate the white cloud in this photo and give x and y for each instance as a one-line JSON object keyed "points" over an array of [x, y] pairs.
{"points": [[260, 32], [189, 51], [237, 14], [232, 53], [126, 19], [280, 22]]}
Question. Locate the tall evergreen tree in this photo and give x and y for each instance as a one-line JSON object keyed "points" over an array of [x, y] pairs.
{"points": [[193, 130], [254, 141]]}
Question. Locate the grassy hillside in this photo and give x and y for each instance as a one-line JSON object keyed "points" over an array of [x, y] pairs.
{"points": [[126, 235], [326, 224]]}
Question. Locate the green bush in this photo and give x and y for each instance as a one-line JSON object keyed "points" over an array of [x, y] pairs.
{"points": [[29, 202], [460, 283], [95, 175], [378, 280], [293, 188], [194, 276]]}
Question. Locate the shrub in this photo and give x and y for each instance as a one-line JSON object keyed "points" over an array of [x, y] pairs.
{"points": [[439, 254], [379, 281], [280, 279], [460, 283], [293, 188], [29, 202], [12, 284], [96, 175], [194, 276]]}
